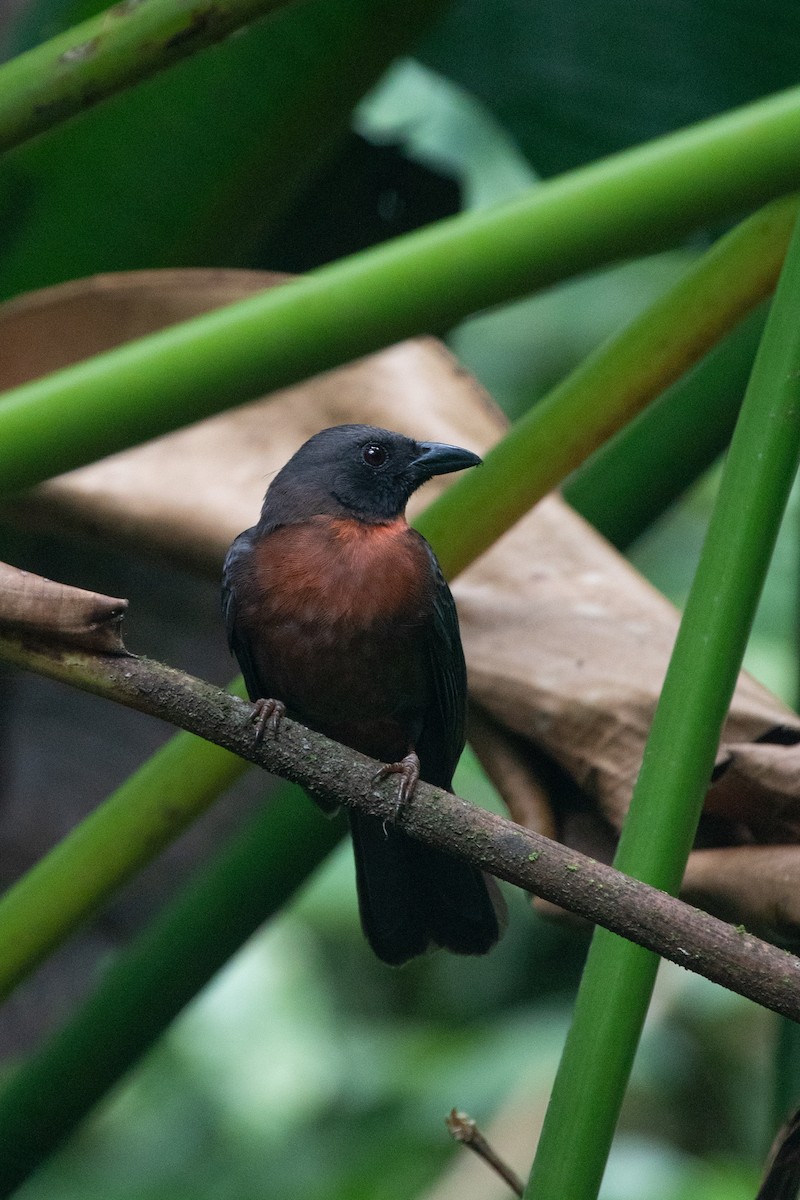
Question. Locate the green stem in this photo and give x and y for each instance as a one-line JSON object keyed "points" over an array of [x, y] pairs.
{"points": [[632, 202], [632, 479], [107, 848], [149, 985], [786, 1056], [123, 45], [679, 756]]}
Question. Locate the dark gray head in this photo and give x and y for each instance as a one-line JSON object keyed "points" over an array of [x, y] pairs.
{"points": [[357, 470]]}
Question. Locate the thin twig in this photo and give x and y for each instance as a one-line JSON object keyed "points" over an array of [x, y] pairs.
{"points": [[337, 775], [464, 1129]]}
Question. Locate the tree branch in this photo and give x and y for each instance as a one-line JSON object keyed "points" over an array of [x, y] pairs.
{"points": [[337, 775]]}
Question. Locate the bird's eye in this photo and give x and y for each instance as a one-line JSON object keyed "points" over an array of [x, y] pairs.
{"points": [[374, 455]]}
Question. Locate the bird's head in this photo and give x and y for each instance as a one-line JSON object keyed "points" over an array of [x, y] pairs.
{"points": [[360, 471]]}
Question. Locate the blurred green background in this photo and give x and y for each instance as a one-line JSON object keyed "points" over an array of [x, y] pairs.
{"points": [[308, 1069]]}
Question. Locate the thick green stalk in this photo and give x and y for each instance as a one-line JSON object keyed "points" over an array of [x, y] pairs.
{"points": [[636, 201], [174, 787], [786, 1057], [679, 756], [128, 42], [157, 976], [634, 477]]}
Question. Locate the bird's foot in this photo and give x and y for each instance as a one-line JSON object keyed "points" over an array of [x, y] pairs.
{"points": [[267, 715], [408, 770]]}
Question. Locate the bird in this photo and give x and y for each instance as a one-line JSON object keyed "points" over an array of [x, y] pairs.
{"points": [[340, 617]]}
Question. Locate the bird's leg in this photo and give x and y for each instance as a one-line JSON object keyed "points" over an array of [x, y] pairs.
{"points": [[267, 715], [408, 770]]}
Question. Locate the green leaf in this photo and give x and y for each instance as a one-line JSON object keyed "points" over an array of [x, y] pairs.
{"points": [[196, 164], [572, 83]]}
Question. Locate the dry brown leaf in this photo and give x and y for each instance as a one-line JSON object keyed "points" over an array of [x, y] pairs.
{"points": [[567, 645], [55, 612], [45, 330]]}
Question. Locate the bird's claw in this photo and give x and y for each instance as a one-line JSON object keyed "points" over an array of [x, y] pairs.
{"points": [[267, 715], [408, 770]]}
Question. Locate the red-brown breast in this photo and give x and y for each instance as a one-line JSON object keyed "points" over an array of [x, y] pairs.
{"points": [[334, 610]]}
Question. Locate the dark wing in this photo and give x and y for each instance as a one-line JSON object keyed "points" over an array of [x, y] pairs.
{"points": [[411, 895], [444, 728], [234, 572]]}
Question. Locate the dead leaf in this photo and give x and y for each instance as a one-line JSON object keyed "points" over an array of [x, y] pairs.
{"points": [[567, 648]]}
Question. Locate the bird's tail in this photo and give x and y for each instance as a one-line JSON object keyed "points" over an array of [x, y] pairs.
{"points": [[412, 897]]}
